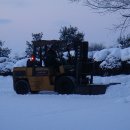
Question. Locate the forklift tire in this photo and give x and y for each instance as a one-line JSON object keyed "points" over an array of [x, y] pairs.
{"points": [[65, 85], [21, 87]]}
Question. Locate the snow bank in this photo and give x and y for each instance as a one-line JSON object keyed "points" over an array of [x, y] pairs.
{"points": [[121, 90]]}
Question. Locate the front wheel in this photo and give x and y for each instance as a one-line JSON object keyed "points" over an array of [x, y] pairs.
{"points": [[21, 87], [65, 85]]}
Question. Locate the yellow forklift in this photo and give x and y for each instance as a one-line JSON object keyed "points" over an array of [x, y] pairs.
{"points": [[48, 70]]}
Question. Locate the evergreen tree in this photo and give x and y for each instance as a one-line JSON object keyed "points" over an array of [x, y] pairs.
{"points": [[29, 49], [37, 36], [70, 35], [4, 51], [124, 41]]}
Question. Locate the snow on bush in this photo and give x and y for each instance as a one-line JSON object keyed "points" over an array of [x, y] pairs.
{"points": [[21, 63], [125, 54], [7, 67], [111, 63], [112, 60], [65, 54], [91, 54], [101, 55], [3, 59], [116, 52], [6, 64], [109, 58]]}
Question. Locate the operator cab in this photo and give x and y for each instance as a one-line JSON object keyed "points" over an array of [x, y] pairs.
{"points": [[44, 54], [45, 59]]}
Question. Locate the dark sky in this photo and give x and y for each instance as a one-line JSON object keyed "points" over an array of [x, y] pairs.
{"points": [[20, 18]]}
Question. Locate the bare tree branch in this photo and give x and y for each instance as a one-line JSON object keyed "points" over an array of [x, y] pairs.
{"points": [[122, 6]]}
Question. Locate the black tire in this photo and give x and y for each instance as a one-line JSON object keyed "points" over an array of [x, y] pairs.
{"points": [[22, 87], [65, 85], [34, 92]]}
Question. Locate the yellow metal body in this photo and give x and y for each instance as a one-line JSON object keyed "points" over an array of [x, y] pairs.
{"points": [[38, 78]]}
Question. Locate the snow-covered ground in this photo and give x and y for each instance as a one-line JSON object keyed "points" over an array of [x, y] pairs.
{"points": [[50, 111]]}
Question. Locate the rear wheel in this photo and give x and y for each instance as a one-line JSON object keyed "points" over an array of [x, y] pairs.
{"points": [[21, 87], [65, 85]]}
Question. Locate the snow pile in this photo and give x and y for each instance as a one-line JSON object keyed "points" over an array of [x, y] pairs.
{"points": [[121, 90], [21, 63]]}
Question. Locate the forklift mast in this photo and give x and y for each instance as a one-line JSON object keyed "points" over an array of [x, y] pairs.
{"points": [[83, 66]]}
